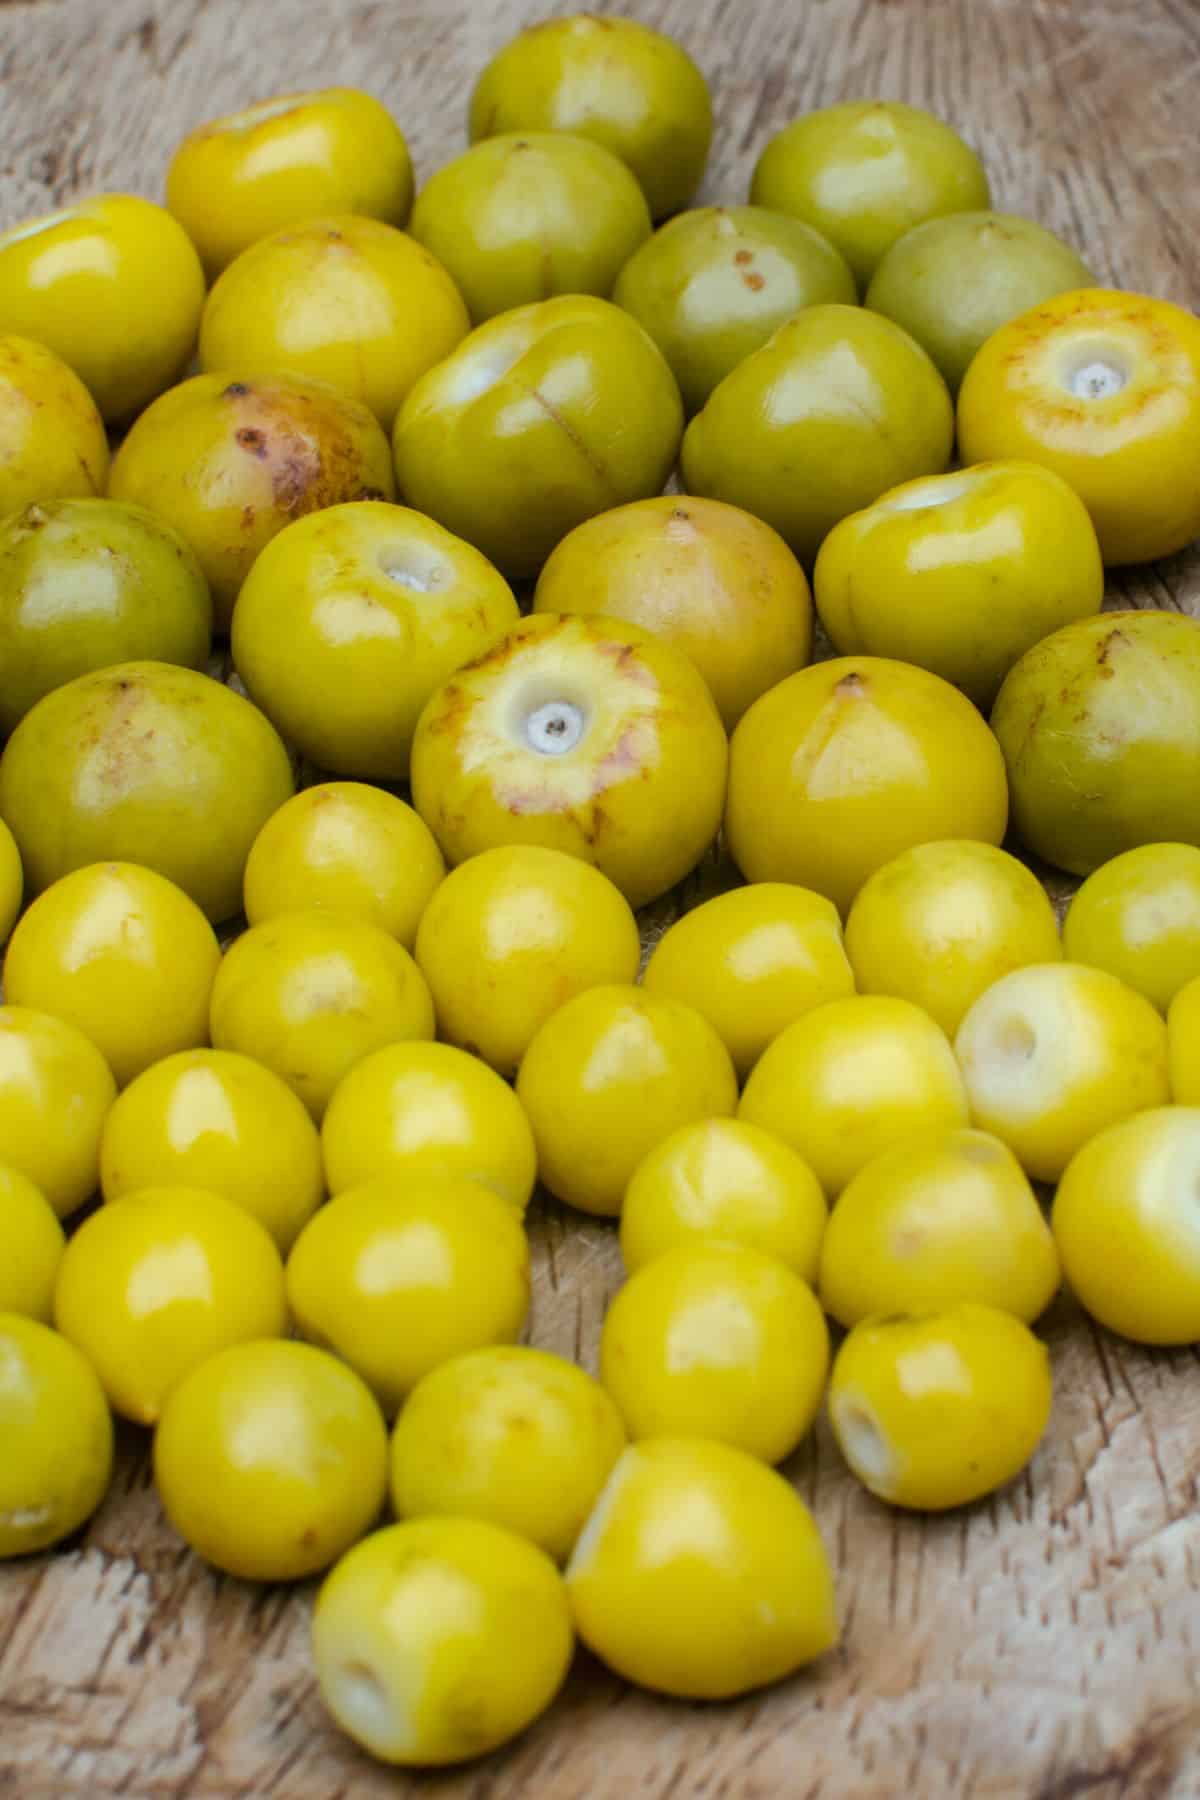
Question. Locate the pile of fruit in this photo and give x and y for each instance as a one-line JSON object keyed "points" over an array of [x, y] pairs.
{"points": [[829, 1091]]}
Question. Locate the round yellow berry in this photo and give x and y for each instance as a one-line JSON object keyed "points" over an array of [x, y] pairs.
{"points": [[54, 438], [31, 1247], [57, 1434], [1138, 916], [55, 1093]]}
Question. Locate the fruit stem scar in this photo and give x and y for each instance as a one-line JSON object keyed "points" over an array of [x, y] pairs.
{"points": [[555, 728], [1096, 379]]}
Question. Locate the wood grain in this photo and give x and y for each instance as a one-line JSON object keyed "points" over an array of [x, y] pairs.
{"points": [[1045, 1644]]}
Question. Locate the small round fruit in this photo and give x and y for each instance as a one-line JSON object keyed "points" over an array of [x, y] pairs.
{"points": [[436, 1640], [938, 1409], [510, 936], [1138, 916], [87, 583], [585, 735], [270, 1460], [527, 215], [57, 1433], [12, 881], [31, 1247], [865, 172], [943, 1217], [512, 1435], [752, 961], [52, 440], [613, 80], [717, 1340], [723, 1178], [1102, 387], [1183, 1045], [144, 763], [1124, 1222], [541, 418], [229, 462], [852, 1078], [714, 284], [701, 1572], [348, 848], [609, 1076], [309, 994], [402, 1273], [211, 1119], [844, 765], [351, 618], [961, 573], [954, 280], [290, 158], [340, 299], [942, 921], [1100, 728], [712, 580], [122, 954], [1053, 1053], [836, 408], [152, 1287], [55, 1093], [416, 1111], [114, 287]]}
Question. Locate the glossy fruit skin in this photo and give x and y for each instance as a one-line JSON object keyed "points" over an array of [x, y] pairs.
{"points": [[86, 583], [613, 80], [510, 936], [847, 764], [717, 1340], [1138, 916], [271, 1460], [711, 579], [1183, 1045], [937, 1409], [527, 215], [961, 573], [541, 418], [339, 299], [469, 1621], [516, 1436], [723, 1178], [942, 921], [941, 1218], [1100, 729], [713, 284], [58, 1437], [114, 287], [428, 1110], [144, 763], [954, 280], [152, 1287], [402, 1274], [629, 774], [1129, 447], [309, 994], [55, 1093], [351, 618], [31, 1247], [836, 408], [214, 1120], [1123, 1223], [1053, 1053], [866, 171], [609, 1076], [347, 848], [12, 881], [230, 461], [293, 157], [852, 1078], [701, 1572], [752, 961], [53, 436]]}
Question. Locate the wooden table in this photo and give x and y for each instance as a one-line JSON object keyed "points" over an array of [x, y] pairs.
{"points": [[1045, 1643]]}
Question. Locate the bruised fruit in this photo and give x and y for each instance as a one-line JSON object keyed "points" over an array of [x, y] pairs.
{"points": [[144, 763], [52, 440]]}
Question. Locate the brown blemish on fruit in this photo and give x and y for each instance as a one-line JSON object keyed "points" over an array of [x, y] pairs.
{"points": [[754, 281], [235, 391], [1104, 649], [251, 439], [743, 256], [851, 687], [620, 761]]}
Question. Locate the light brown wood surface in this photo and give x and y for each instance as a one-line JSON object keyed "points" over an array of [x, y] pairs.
{"points": [[1044, 1644]]}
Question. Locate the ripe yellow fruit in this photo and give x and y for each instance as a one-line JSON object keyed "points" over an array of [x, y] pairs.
{"points": [[608, 1076], [701, 1573], [57, 1434], [12, 881], [54, 438], [55, 1093], [1138, 916], [1183, 1045], [31, 1247]]}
